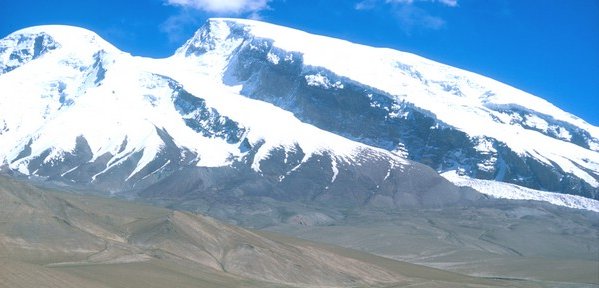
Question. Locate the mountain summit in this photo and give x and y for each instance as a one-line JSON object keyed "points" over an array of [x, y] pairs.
{"points": [[246, 108]]}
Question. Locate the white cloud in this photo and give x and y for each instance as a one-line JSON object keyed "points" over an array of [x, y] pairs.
{"points": [[223, 6]]}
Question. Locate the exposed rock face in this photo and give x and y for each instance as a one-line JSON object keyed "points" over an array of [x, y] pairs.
{"points": [[17, 50]]}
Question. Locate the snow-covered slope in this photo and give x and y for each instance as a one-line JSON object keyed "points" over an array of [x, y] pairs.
{"points": [[503, 190], [88, 113], [445, 117], [277, 111]]}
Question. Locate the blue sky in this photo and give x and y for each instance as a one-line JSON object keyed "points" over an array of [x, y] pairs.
{"points": [[549, 48]]}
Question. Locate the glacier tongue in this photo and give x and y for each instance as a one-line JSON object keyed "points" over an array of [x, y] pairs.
{"points": [[510, 191]]}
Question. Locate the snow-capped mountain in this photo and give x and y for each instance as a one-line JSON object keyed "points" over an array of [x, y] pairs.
{"points": [[82, 112], [254, 109], [447, 118]]}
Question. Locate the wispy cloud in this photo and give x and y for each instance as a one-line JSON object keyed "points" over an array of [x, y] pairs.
{"points": [[366, 5], [411, 18], [409, 15], [176, 26], [234, 7], [192, 12], [450, 3]]}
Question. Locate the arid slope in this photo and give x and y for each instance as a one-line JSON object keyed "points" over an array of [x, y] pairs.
{"points": [[55, 239]]}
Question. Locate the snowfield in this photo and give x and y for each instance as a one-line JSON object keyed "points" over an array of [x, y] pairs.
{"points": [[510, 191]]}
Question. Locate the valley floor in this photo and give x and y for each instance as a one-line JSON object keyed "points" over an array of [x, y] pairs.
{"points": [[551, 246], [56, 239]]}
